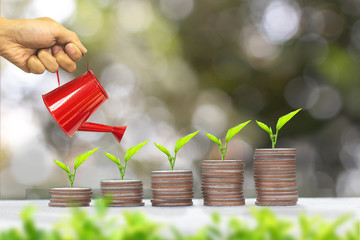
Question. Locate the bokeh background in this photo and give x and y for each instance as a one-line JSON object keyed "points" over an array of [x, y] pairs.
{"points": [[172, 67]]}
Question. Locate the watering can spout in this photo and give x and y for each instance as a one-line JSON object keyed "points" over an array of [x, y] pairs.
{"points": [[118, 131]]}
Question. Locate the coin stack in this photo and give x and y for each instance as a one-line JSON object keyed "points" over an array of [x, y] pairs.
{"points": [[222, 182], [70, 197], [124, 193], [275, 177], [172, 188]]}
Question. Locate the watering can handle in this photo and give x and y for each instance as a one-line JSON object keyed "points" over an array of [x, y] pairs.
{"points": [[87, 69]]}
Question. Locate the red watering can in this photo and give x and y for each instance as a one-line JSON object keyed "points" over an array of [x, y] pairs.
{"points": [[73, 103]]}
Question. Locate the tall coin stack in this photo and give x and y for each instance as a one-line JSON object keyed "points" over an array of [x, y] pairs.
{"points": [[172, 188], [275, 177], [222, 182], [70, 197], [124, 193]]}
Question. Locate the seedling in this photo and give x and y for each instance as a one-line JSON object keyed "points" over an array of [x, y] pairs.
{"points": [[129, 153], [79, 160], [280, 123], [179, 144], [229, 135]]}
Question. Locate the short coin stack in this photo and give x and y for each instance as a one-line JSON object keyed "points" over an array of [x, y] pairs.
{"points": [[275, 177], [124, 193], [222, 182], [70, 197], [172, 188]]}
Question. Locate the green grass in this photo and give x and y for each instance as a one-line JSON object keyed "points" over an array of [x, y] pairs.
{"points": [[137, 226]]}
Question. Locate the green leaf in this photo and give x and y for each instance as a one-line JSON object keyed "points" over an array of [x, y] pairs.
{"points": [[284, 119], [81, 158], [113, 158], [163, 149], [233, 131], [265, 127], [182, 141], [214, 139], [131, 151], [62, 165]]}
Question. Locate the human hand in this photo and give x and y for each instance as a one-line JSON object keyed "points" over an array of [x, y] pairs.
{"points": [[38, 44]]}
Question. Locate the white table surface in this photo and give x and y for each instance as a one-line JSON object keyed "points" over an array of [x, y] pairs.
{"points": [[187, 219]]}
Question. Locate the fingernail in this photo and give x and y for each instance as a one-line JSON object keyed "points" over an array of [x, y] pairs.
{"points": [[55, 49], [69, 49], [83, 49]]}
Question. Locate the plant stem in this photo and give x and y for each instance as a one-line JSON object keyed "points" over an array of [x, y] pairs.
{"points": [[274, 140], [223, 152], [172, 162], [122, 172], [72, 178]]}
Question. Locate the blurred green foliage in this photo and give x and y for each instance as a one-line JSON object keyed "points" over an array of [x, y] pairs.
{"points": [[136, 226]]}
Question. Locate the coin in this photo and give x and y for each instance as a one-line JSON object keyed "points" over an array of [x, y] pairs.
{"points": [[174, 173], [275, 203], [214, 192], [127, 204], [117, 182], [51, 204], [69, 197], [126, 193], [223, 198], [171, 183], [271, 175], [275, 177], [171, 204], [172, 188], [275, 150], [77, 201], [122, 196], [274, 157], [222, 182], [224, 203], [291, 161], [122, 191], [177, 200], [170, 197], [70, 190]]}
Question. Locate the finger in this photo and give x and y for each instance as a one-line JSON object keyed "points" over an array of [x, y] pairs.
{"points": [[73, 52], [35, 65], [63, 59], [66, 36], [48, 60]]}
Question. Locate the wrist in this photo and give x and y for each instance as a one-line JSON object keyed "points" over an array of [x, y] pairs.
{"points": [[5, 34]]}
